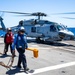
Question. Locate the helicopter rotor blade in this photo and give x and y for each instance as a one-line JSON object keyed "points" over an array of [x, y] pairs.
{"points": [[67, 17], [69, 13], [64, 13], [14, 12], [23, 15], [28, 14]]}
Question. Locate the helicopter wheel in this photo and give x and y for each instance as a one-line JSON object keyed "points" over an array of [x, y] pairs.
{"points": [[38, 40]]}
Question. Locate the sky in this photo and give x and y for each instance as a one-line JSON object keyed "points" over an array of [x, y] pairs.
{"points": [[50, 7]]}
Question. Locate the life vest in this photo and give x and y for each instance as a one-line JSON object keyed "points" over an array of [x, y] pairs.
{"points": [[9, 38]]}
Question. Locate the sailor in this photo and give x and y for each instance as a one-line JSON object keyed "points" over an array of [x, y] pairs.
{"points": [[8, 39], [20, 42]]}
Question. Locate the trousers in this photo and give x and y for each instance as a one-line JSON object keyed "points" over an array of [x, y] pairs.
{"points": [[6, 47], [22, 58]]}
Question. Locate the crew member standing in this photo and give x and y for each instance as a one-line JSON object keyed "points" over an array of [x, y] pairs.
{"points": [[8, 39], [20, 42]]}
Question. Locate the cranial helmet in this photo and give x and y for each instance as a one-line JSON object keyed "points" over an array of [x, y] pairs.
{"points": [[22, 29], [8, 29]]}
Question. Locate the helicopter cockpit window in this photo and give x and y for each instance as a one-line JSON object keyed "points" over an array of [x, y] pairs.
{"points": [[52, 28], [61, 27], [65, 27], [33, 29]]}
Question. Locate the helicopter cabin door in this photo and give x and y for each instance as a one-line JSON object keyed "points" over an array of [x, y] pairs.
{"points": [[35, 31], [53, 32]]}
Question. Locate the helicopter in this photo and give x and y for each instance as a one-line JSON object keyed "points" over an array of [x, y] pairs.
{"points": [[42, 30]]}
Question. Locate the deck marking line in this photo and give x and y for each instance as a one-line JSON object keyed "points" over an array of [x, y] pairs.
{"points": [[45, 69]]}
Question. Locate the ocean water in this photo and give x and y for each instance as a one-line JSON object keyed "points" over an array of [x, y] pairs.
{"points": [[72, 30], [2, 33]]}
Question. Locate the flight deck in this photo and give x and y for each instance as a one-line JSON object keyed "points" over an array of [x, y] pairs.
{"points": [[53, 59]]}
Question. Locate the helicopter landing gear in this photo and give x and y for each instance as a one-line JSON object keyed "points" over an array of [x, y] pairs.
{"points": [[38, 40]]}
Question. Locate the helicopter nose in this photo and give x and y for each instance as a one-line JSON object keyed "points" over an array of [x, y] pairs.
{"points": [[66, 36], [61, 35]]}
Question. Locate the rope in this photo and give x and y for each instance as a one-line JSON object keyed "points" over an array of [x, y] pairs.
{"points": [[8, 65]]}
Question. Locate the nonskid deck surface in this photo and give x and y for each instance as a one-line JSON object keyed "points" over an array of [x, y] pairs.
{"points": [[56, 59]]}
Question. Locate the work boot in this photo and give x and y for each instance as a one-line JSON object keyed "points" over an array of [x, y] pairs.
{"points": [[26, 69], [5, 53]]}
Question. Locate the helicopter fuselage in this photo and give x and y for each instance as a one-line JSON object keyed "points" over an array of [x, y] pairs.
{"points": [[46, 30]]}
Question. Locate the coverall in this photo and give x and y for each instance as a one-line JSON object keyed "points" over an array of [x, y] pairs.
{"points": [[20, 42]]}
